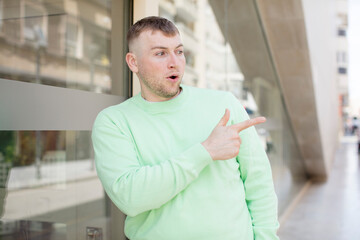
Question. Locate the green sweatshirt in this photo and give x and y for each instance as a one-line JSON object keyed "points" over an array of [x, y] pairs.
{"points": [[152, 165]]}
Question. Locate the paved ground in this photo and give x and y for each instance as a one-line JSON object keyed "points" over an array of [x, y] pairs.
{"points": [[330, 210], [53, 173]]}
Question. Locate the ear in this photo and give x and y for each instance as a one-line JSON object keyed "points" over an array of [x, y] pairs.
{"points": [[131, 62]]}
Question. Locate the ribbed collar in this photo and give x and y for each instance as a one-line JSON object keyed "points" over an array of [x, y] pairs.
{"points": [[171, 105]]}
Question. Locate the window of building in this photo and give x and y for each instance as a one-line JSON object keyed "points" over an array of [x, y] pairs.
{"points": [[12, 24], [34, 25], [74, 35], [56, 33], [341, 32], [342, 70]]}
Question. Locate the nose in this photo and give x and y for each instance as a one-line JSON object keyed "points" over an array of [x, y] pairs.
{"points": [[173, 61]]}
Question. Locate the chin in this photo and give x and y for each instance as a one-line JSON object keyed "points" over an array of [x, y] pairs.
{"points": [[171, 94]]}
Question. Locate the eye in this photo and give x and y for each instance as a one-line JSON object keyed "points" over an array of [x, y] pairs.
{"points": [[180, 52], [162, 53]]}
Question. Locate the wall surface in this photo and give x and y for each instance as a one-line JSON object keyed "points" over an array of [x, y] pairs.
{"points": [[320, 21]]}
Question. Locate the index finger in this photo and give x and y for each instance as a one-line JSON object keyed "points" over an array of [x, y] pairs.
{"points": [[248, 123]]}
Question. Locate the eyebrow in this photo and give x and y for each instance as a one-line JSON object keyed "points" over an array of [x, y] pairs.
{"points": [[161, 47]]}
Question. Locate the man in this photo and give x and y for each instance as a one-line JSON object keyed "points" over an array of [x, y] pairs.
{"points": [[181, 162]]}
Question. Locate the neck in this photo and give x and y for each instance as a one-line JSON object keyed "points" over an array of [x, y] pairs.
{"points": [[161, 99]]}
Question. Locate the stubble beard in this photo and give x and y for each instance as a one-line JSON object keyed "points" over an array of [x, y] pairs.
{"points": [[160, 89]]}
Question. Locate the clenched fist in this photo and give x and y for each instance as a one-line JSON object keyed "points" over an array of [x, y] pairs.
{"points": [[224, 141]]}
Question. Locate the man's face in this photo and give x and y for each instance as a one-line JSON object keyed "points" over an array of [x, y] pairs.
{"points": [[160, 64]]}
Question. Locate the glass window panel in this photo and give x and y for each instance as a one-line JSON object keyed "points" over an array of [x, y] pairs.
{"points": [[54, 171], [48, 185], [62, 43]]}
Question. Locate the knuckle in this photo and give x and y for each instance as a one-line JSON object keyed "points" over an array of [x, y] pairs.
{"points": [[236, 152]]}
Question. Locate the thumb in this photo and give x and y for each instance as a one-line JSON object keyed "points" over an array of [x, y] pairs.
{"points": [[225, 118]]}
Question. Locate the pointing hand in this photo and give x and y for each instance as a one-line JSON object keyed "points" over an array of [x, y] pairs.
{"points": [[224, 141]]}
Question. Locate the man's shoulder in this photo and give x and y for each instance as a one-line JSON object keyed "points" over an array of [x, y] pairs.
{"points": [[115, 111], [212, 97]]}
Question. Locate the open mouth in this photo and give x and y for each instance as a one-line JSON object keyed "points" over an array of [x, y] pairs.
{"points": [[173, 78]]}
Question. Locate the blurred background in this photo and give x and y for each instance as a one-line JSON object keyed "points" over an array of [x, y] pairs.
{"points": [[296, 62]]}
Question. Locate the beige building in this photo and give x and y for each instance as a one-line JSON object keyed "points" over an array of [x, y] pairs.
{"points": [[62, 61]]}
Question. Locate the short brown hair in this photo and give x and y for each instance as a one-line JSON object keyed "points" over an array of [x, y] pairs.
{"points": [[151, 23]]}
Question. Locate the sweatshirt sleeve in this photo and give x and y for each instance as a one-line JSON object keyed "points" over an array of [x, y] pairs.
{"points": [[133, 188], [256, 175]]}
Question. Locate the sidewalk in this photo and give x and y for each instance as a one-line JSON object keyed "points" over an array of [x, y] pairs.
{"points": [[58, 173], [329, 210]]}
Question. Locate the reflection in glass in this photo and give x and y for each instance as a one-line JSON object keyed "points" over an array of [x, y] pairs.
{"points": [[52, 43], [48, 184], [14, 230], [48, 179]]}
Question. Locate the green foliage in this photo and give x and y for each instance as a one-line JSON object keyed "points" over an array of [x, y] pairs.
{"points": [[7, 145]]}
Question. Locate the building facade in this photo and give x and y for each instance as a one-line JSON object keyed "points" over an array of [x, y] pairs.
{"points": [[62, 61], [342, 59]]}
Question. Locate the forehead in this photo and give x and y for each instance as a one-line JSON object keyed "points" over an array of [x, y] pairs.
{"points": [[151, 39]]}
